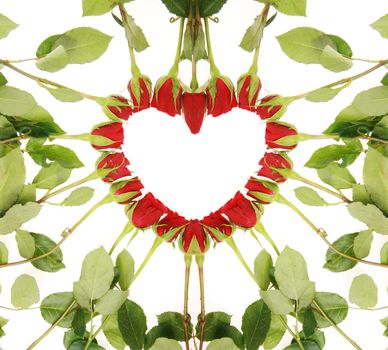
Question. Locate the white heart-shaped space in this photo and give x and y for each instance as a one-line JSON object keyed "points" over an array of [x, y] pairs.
{"points": [[194, 174]]}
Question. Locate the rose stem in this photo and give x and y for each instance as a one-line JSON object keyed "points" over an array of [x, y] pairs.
{"points": [[199, 259], [175, 67], [128, 228], [186, 317]]}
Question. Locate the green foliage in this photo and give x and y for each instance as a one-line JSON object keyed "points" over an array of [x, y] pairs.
{"points": [[112, 332], [309, 196], [111, 302], [126, 267], [336, 262], [79, 196], [166, 344], [384, 254], [26, 244], [17, 215], [277, 302], [381, 25], [369, 214], [3, 253], [15, 102], [276, 332], [24, 292], [363, 291], [136, 38], [362, 244], [6, 26], [206, 7], [373, 102], [253, 35], [336, 176], [263, 264], [54, 305], [51, 176], [291, 7], [333, 305], [222, 344]]}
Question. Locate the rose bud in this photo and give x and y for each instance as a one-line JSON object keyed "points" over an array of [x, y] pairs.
{"points": [[272, 163], [148, 211], [221, 97], [263, 191], [248, 89], [111, 131], [275, 132], [141, 91], [117, 163], [194, 110], [122, 110], [171, 226], [265, 110], [194, 239], [217, 226], [239, 210], [167, 96], [127, 190]]}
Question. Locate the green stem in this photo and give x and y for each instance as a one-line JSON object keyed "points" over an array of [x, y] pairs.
{"points": [[175, 67], [265, 234], [15, 309], [65, 234], [93, 176], [295, 176], [289, 330], [307, 137], [202, 317], [194, 81], [186, 316], [158, 241], [370, 309], [94, 335], [333, 324], [44, 81], [214, 71], [65, 313], [322, 233], [128, 228]]}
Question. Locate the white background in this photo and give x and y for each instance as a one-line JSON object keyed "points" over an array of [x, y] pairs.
{"points": [[223, 168]]}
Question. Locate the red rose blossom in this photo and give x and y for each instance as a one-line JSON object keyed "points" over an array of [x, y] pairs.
{"points": [[272, 161], [111, 131], [126, 191], [167, 96], [217, 221], [222, 99], [276, 131], [148, 211], [249, 88], [117, 162], [141, 91], [262, 191], [122, 112], [194, 230], [171, 221], [239, 210], [267, 111], [194, 110]]}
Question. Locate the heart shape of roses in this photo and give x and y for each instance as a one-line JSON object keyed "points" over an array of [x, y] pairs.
{"points": [[144, 210]]}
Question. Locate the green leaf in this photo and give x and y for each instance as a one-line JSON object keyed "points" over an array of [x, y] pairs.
{"points": [[84, 44], [210, 7], [112, 333], [15, 102], [360, 194], [3, 80], [54, 61], [307, 345], [381, 25], [6, 26], [65, 94], [96, 8], [43, 245], [323, 94], [384, 81], [126, 266], [81, 345], [336, 176], [277, 302], [373, 102], [54, 305], [322, 157], [26, 244], [275, 333], [79, 323], [309, 196], [384, 254], [79, 196], [177, 7], [221, 344], [47, 45], [336, 262], [3, 322], [24, 292], [332, 60], [342, 46], [381, 129], [96, 276], [263, 264], [132, 324], [309, 322], [166, 344], [111, 302], [376, 178], [363, 292], [252, 36], [370, 215], [3, 253], [17, 215], [291, 7], [291, 274], [28, 194], [384, 322], [12, 175], [255, 324], [362, 244], [136, 37], [305, 44], [52, 176], [333, 305]]}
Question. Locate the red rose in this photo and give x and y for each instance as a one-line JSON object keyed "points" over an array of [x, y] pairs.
{"points": [[266, 111], [170, 222], [194, 230], [148, 211], [249, 87], [262, 191], [167, 96], [141, 91], [122, 112], [194, 110], [239, 210], [276, 131], [117, 162], [220, 96], [111, 131], [272, 161], [126, 191], [218, 222]]}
